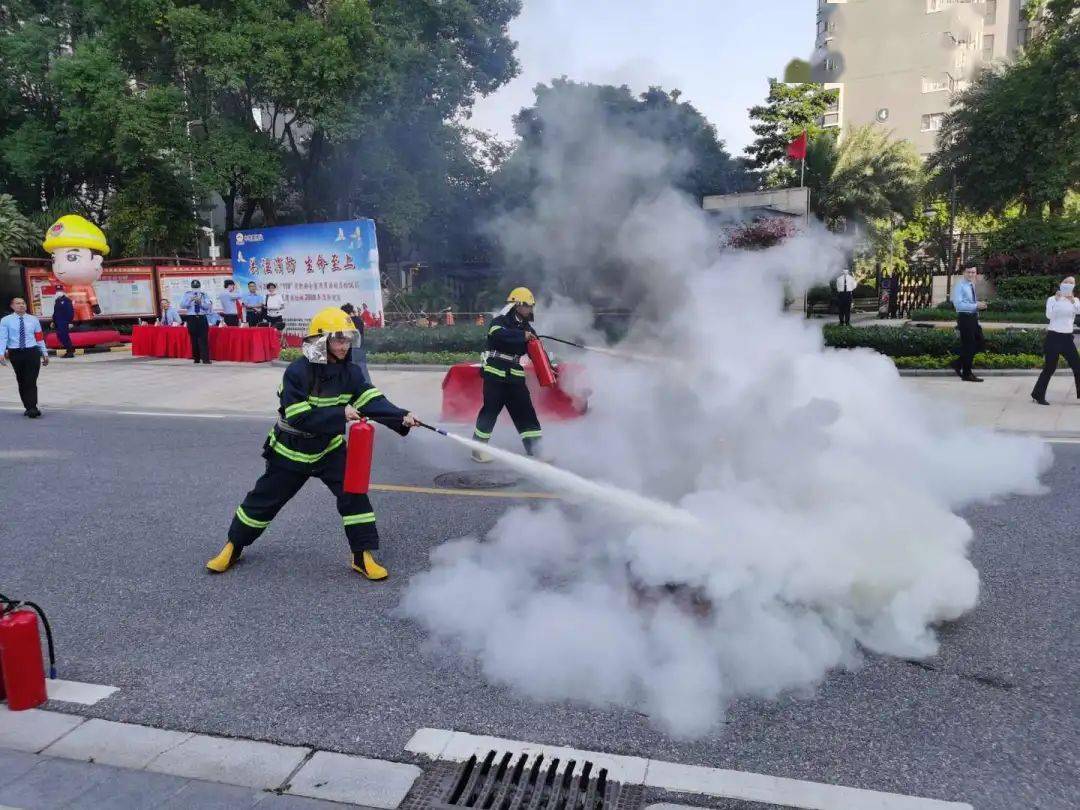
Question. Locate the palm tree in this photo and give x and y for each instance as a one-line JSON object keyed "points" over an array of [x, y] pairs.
{"points": [[866, 176]]}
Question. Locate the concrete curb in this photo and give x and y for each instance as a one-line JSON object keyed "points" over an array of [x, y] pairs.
{"points": [[284, 769]]}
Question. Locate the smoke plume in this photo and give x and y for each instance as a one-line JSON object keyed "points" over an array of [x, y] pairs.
{"points": [[827, 489]]}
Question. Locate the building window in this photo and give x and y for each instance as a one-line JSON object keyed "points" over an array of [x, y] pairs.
{"points": [[988, 47], [822, 26], [991, 12], [934, 85], [1023, 34], [830, 64], [830, 120], [934, 6], [932, 122], [961, 59]]}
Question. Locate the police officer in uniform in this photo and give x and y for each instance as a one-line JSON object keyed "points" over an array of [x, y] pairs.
{"points": [[63, 315], [200, 310], [504, 378], [322, 392]]}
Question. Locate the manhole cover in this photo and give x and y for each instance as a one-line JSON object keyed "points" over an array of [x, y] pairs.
{"points": [[506, 781], [477, 479]]}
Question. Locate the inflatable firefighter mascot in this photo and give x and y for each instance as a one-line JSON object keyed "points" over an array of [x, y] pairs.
{"points": [[504, 378], [77, 246], [321, 394]]}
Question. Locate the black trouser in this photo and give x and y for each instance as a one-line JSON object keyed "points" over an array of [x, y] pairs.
{"points": [[281, 482], [253, 316], [514, 396], [26, 363], [844, 302], [63, 334], [1057, 343], [971, 340], [231, 320], [199, 330]]}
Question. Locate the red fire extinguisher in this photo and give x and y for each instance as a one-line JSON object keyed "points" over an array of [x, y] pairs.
{"points": [[22, 672], [360, 444], [545, 374]]}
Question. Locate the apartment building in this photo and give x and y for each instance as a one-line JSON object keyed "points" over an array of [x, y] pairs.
{"points": [[897, 63]]}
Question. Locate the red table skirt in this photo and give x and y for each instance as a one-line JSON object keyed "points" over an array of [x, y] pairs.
{"points": [[463, 394], [236, 343], [81, 340]]}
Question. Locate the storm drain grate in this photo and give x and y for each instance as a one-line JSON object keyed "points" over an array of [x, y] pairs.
{"points": [[487, 479], [506, 781]]}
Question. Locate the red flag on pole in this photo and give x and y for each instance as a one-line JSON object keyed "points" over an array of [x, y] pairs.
{"points": [[797, 148]]}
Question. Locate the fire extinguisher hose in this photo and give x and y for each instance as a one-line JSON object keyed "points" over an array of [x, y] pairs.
{"points": [[12, 604]]}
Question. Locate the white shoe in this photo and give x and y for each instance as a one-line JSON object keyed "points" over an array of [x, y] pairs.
{"points": [[481, 457]]}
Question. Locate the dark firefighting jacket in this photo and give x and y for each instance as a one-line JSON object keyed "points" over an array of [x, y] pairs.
{"points": [[311, 414], [507, 336]]}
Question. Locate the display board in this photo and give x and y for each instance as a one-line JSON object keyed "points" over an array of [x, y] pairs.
{"points": [[174, 281], [314, 266], [122, 292]]}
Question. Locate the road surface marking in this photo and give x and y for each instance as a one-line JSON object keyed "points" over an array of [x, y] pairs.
{"points": [[471, 493], [75, 692], [457, 746], [164, 413]]}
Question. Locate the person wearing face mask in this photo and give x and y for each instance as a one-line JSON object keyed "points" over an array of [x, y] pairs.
{"points": [[1061, 310], [322, 393], [967, 321]]}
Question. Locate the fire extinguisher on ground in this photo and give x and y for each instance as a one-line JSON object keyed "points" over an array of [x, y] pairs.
{"points": [[22, 672], [360, 444]]}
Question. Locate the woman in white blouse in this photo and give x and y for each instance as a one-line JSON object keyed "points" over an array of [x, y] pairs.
{"points": [[1061, 310]]}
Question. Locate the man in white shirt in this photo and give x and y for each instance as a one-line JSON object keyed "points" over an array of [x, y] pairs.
{"points": [[845, 292], [1061, 310], [22, 341], [274, 308]]}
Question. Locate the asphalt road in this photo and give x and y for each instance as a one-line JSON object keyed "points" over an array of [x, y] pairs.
{"points": [[108, 519]]}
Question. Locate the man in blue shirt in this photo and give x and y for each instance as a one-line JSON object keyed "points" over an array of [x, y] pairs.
{"points": [[169, 315], [253, 305], [63, 314], [967, 321], [198, 306], [24, 345], [228, 300]]}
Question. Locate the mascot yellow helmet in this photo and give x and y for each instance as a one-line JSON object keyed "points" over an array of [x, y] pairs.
{"points": [[73, 231]]}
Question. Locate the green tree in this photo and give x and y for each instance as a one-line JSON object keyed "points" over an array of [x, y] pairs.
{"points": [[1013, 136], [865, 177], [787, 112]]}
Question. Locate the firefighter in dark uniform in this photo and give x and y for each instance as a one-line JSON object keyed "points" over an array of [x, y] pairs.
{"points": [[504, 378], [321, 393]]}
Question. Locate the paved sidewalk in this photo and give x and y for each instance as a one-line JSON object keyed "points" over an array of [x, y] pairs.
{"points": [[120, 382], [36, 782]]}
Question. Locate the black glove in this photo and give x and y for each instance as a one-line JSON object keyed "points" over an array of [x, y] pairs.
{"points": [[95, 309]]}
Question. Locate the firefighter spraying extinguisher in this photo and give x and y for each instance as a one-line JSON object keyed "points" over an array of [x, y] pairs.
{"points": [[22, 671], [322, 399], [511, 336]]}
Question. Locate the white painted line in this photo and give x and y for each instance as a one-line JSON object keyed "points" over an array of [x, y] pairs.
{"points": [[34, 729], [459, 746], [756, 787], [354, 780], [177, 415], [234, 762], [86, 694], [124, 745]]}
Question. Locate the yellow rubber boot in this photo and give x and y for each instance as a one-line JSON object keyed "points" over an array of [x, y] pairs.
{"points": [[369, 568], [225, 559]]}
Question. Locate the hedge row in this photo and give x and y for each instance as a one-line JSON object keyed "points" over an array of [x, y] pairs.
{"points": [[907, 341], [465, 338], [988, 315], [1029, 264], [1035, 288], [982, 360], [403, 358]]}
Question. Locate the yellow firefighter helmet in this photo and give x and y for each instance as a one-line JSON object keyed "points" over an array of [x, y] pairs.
{"points": [[330, 320], [521, 295], [73, 231]]}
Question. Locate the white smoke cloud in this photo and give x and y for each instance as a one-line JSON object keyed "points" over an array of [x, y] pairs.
{"points": [[827, 488]]}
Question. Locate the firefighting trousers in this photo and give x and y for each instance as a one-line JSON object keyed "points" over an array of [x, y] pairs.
{"points": [[514, 396], [279, 484]]}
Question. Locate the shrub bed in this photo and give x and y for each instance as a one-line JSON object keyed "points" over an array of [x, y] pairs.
{"points": [[1035, 288], [982, 360], [404, 358], [943, 314], [901, 341]]}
